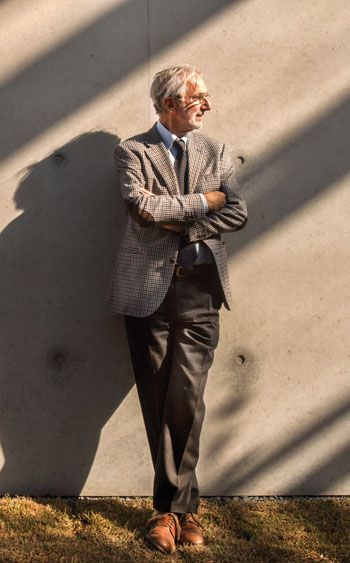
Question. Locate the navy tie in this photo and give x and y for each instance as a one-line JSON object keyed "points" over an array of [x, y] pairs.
{"points": [[180, 165], [187, 252]]}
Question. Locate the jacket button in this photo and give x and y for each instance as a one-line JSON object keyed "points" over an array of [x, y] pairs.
{"points": [[172, 261]]}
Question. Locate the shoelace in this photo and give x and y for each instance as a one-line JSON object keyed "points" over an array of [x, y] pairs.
{"points": [[170, 521], [189, 517]]}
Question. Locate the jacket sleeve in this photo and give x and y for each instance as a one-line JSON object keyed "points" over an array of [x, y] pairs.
{"points": [[232, 217], [150, 209]]}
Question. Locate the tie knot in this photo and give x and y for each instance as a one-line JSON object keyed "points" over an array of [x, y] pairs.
{"points": [[179, 144]]}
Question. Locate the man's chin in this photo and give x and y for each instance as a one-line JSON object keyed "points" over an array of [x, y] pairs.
{"points": [[197, 124]]}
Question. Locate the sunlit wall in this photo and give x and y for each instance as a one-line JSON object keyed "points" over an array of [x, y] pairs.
{"points": [[74, 81]]}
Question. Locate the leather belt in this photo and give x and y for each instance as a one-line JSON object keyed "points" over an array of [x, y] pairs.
{"points": [[180, 272]]}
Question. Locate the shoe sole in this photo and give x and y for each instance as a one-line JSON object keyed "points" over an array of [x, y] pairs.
{"points": [[202, 544]]}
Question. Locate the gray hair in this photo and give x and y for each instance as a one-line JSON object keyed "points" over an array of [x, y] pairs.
{"points": [[171, 82]]}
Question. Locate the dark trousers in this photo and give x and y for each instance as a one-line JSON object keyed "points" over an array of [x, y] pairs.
{"points": [[172, 351]]}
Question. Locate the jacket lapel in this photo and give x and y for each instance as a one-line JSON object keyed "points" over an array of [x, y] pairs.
{"points": [[158, 154]]}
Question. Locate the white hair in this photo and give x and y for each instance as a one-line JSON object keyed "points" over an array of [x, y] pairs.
{"points": [[171, 83]]}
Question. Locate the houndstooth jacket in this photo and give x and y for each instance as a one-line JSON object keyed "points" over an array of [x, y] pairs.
{"points": [[145, 263]]}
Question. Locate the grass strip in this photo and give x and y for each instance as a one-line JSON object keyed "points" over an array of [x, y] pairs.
{"points": [[244, 530]]}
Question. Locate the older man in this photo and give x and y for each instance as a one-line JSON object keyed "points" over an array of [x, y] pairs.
{"points": [[170, 281]]}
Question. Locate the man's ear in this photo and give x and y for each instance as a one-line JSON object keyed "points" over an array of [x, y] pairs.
{"points": [[169, 103]]}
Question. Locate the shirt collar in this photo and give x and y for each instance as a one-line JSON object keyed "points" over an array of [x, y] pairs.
{"points": [[167, 136]]}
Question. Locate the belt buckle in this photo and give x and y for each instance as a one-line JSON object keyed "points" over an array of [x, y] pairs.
{"points": [[180, 272]]}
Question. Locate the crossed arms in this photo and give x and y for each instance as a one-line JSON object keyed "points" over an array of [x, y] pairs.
{"points": [[187, 214]]}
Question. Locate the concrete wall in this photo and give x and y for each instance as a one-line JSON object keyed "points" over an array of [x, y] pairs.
{"points": [[75, 79]]}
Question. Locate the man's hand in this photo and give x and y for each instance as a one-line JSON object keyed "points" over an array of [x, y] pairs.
{"points": [[146, 192], [216, 200]]}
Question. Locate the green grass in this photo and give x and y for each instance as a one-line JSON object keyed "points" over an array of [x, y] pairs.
{"points": [[237, 530]]}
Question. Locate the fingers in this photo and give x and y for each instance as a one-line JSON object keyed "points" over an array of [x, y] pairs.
{"points": [[146, 192]]}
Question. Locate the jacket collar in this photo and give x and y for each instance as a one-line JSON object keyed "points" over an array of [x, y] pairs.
{"points": [[158, 154], [168, 137]]}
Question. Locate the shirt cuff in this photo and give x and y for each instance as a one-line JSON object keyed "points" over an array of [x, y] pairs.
{"points": [[205, 203]]}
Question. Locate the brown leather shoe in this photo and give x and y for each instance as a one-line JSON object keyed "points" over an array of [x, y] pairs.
{"points": [[191, 532], [164, 532]]}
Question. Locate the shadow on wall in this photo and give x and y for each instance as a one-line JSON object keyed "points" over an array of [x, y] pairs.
{"points": [[297, 172], [94, 59], [256, 463], [65, 363]]}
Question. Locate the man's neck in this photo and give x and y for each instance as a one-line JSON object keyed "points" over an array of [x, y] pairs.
{"points": [[168, 125]]}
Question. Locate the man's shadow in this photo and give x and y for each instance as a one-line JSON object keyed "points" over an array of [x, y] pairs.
{"points": [[65, 366]]}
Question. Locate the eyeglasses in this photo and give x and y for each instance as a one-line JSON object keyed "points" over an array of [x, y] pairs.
{"points": [[196, 99], [200, 97]]}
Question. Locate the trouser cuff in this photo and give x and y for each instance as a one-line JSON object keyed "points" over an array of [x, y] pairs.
{"points": [[164, 506]]}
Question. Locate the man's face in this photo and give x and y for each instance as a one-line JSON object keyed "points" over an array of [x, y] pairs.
{"points": [[188, 114]]}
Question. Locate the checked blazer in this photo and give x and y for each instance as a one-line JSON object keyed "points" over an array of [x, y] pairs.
{"points": [[147, 256]]}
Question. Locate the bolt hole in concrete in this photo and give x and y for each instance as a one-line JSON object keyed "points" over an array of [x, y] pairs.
{"points": [[58, 359], [58, 158], [241, 159], [240, 359]]}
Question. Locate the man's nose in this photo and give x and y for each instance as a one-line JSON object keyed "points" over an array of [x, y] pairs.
{"points": [[206, 106]]}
